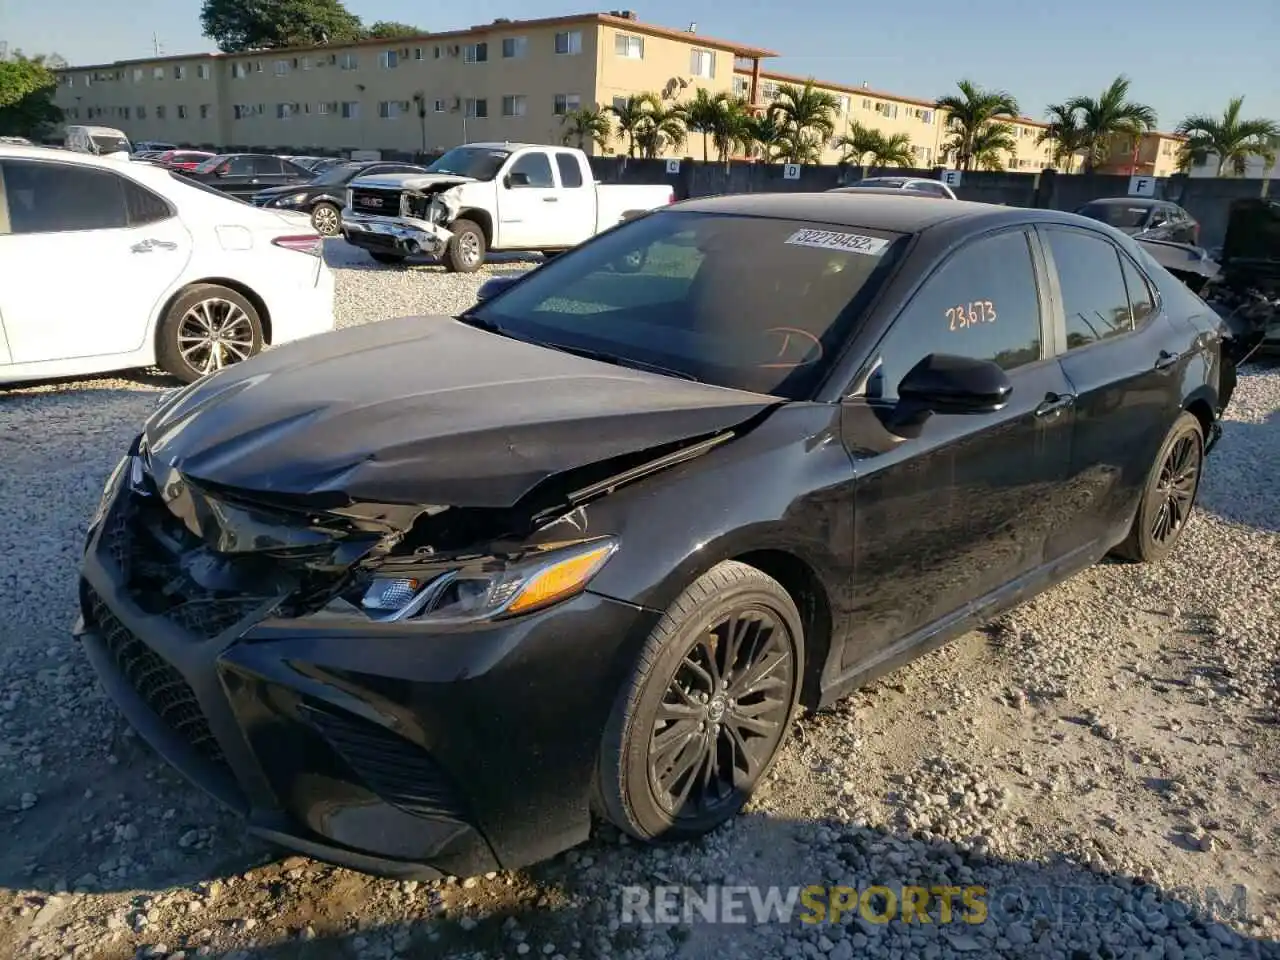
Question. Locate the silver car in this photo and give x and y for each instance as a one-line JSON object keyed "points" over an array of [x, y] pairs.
{"points": [[920, 185]]}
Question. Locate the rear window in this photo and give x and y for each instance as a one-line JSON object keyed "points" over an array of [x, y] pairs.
{"points": [[1116, 214], [742, 302]]}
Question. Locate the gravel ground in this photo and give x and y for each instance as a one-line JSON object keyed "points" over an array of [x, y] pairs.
{"points": [[1117, 738]]}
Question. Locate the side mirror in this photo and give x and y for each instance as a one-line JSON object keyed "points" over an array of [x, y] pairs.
{"points": [[516, 180], [495, 285], [942, 383]]}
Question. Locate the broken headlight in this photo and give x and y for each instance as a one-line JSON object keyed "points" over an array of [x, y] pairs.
{"points": [[490, 588]]}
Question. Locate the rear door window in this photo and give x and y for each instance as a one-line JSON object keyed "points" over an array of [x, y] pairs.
{"points": [[61, 198], [570, 169], [1094, 299]]}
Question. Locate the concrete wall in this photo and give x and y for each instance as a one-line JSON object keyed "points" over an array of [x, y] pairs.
{"points": [[1206, 200]]}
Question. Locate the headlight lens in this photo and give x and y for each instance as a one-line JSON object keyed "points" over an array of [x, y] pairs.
{"points": [[489, 590], [294, 200]]}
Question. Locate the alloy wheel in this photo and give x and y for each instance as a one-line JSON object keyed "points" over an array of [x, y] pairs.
{"points": [[326, 221], [722, 715], [213, 334], [1176, 488], [469, 249]]}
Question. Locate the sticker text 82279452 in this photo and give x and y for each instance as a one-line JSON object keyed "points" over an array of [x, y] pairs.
{"points": [[970, 314], [833, 240]]}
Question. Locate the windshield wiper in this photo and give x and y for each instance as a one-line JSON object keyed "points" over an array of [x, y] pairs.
{"points": [[618, 361]]}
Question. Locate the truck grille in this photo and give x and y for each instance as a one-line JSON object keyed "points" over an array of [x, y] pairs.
{"points": [[384, 203], [159, 684]]}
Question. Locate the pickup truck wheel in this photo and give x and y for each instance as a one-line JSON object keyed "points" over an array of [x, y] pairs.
{"points": [[381, 257], [466, 249]]}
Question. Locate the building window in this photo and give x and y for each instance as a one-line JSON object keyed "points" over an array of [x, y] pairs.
{"points": [[159, 113], [514, 47], [619, 103], [204, 111], [239, 111], [566, 103], [124, 113], [284, 111], [157, 73], [350, 110], [349, 61], [239, 70], [475, 53], [479, 109], [389, 59], [202, 71], [435, 53], [179, 73], [513, 105], [322, 109], [439, 106], [137, 75], [702, 63], [182, 112], [628, 45], [887, 110], [417, 53], [392, 109], [842, 103], [569, 42], [741, 87], [281, 68]]}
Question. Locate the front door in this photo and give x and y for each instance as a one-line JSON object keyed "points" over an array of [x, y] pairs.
{"points": [[528, 204], [1127, 395], [962, 505], [121, 246]]}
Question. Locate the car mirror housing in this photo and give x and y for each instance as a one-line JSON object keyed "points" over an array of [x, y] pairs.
{"points": [[495, 285], [944, 383]]}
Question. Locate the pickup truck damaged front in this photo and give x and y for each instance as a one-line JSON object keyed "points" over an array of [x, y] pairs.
{"points": [[421, 226]]}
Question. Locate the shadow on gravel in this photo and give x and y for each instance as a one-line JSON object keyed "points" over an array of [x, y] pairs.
{"points": [[1240, 476], [607, 899], [342, 255]]}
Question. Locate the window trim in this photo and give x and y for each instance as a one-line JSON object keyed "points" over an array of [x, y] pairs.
{"points": [[1059, 305], [855, 384], [168, 204]]}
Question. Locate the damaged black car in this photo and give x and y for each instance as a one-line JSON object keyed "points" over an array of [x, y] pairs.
{"points": [[420, 597]]}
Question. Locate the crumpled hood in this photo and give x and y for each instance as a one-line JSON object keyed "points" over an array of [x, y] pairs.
{"points": [[410, 181], [424, 410]]}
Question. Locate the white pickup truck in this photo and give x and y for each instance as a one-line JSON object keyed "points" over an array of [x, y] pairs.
{"points": [[489, 196]]}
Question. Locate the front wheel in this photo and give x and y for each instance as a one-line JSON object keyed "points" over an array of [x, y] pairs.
{"points": [[466, 249], [327, 220], [707, 709], [209, 327], [1169, 495]]}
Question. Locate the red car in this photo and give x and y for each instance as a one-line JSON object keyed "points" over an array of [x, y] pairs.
{"points": [[182, 159]]}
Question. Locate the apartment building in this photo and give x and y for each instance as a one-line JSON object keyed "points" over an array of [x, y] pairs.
{"points": [[891, 114], [1151, 155], [507, 80]]}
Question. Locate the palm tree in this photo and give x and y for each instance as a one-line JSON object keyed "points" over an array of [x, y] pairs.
{"points": [[660, 128], [807, 116], [856, 143], [893, 151], [587, 125], [990, 145], [1232, 140], [732, 129], [633, 115], [1111, 115], [703, 115], [766, 134], [1065, 133], [969, 113]]}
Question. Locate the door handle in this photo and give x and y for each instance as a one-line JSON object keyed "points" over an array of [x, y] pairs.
{"points": [[1167, 359], [146, 246], [550, 199], [1054, 403]]}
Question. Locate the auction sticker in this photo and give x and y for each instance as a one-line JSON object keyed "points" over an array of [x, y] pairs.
{"points": [[831, 240]]}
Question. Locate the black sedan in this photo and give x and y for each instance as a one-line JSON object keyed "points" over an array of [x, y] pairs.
{"points": [[1145, 218], [417, 596], [324, 196], [244, 174]]}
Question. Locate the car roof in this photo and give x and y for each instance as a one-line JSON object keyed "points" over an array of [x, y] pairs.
{"points": [[890, 210], [15, 151], [502, 145], [876, 188], [1126, 201]]}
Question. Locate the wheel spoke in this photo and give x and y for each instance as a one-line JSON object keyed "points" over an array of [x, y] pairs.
{"points": [[760, 675]]}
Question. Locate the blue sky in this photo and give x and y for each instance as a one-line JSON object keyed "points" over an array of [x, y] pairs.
{"points": [[1182, 58]]}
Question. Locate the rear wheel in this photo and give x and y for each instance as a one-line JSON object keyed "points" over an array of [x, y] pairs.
{"points": [[1169, 495], [707, 709], [209, 327], [382, 257], [327, 220], [466, 249]]}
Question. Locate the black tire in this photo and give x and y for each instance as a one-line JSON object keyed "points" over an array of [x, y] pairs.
{"points": [[327, 219], [467, 247], [1169, 495], [628, 792], [229, 312], [388, 258]]}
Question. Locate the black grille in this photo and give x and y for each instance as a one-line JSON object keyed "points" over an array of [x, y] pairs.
{"points": [[383, 203], [400, 772], [144, 544], [158, 683]]}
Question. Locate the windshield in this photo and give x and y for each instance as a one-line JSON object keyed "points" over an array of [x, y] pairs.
{"points": [[742, 302], [339, 173], [479, 163], [1116, 214], [106, 143], [210, 165]]}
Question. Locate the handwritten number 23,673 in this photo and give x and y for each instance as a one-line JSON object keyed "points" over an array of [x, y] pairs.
{"points": [[971, 314]]}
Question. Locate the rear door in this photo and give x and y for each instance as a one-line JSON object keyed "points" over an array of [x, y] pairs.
{"points": [[238, 177], [271, 172], [1121, 355], [576, 220], [120, 247], [955, 511]]}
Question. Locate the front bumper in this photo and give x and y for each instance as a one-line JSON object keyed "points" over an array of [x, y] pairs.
{"points": [[404, 235], [391, 748]]}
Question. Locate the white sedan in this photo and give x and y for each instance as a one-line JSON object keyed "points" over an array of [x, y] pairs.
{"points": [[109, 265]]}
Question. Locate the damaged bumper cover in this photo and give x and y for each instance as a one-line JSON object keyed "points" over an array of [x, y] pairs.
{"points": [[408, 235]]}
